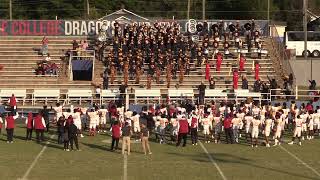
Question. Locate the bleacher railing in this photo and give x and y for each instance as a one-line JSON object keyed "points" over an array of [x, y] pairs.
{"points": [[283, 57], [129, 97]]}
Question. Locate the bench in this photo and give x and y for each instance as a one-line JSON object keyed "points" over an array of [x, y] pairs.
{"points": [[20, 94], [180, 93], [109, 94], [244, 93], [213, 94], [79, 94], [147, 94], [45, 94]]}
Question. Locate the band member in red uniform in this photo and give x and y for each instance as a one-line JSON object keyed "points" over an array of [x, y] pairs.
{"points": [[235, 79], [29, 123], [242, 60], [13, 103], [183, 131], [207, 71], [218, 62], [39, 126], [256, 70], [9, 125]]}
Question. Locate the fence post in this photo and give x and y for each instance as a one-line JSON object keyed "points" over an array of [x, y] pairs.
{"points": [[296, 92], [127, 100]]}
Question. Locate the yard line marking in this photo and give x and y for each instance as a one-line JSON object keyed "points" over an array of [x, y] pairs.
{"points": [[36, 160], [125, 167], [302, 162], [213, 161]]}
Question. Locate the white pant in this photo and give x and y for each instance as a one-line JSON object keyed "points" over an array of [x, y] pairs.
{"points": [[297, 132], [255, 133]]}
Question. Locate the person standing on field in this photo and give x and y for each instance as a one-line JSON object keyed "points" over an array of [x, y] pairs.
{"points": [[39, 125], [126, 134], [183, 131], [10, 125], [145, 139], [29, 123], [115, 129]]}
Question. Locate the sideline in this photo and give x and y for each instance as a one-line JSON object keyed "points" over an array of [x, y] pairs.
{"points": [[26, 174], [125, 167], [302, 162], [213, 161]]}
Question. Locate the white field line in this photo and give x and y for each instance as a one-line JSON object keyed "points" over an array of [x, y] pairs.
{"points": [[302, 162], [213, 161], [26, 174], [125, 167]]}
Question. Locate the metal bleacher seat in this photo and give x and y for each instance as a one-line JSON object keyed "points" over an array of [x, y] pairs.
{"points": [[109, 94], [45, 94], [147, 94], [244, 93], [20, 94], [180, 93], [211, 94], [79, 95]]}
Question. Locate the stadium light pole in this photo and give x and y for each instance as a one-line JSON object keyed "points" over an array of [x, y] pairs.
{"points": [[188, 13], [203, 9], [305, 29], [10, 9], [88, 8]]}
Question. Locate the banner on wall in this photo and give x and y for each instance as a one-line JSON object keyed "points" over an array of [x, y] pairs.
{"points": [[87, 28]]}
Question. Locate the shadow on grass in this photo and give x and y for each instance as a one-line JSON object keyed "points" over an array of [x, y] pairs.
{"points": [[232, 159], [94, 146]]}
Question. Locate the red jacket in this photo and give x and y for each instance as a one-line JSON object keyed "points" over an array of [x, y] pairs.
{"points": [[227, 123], [29, 121], [10, 122], [13, 101], [194, 122], [38, 122], [183, 126], [116, 131]]}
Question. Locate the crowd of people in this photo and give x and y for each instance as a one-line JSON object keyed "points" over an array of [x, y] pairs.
{"points": [[246, 122], [163, 48], [47, 67]]}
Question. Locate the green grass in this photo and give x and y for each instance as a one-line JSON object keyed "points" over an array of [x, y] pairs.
{"points": [[95, 162]]}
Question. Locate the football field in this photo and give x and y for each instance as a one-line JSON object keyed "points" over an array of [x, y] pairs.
{"points": [[47, 161]]}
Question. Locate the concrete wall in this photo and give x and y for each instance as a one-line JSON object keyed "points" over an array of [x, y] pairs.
{"points": [[302, 71]]}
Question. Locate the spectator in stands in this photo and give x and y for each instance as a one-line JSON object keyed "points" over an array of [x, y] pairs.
{"points": [[84, 45], [54, 69], [245, 84], [123, 87], [105, 79], [273, 86], [312, 85], [257, 86], [235, 78], [201, 89], [47, 59], [13, 103], [44, 47], [212, 83]]}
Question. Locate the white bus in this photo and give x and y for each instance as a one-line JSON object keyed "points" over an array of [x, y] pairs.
{"points": [[295, 40]]}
